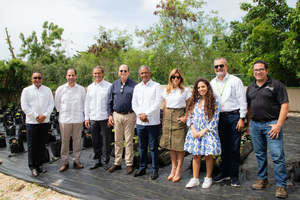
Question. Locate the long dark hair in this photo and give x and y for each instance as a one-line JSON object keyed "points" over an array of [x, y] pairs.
{"points": [[210, 100]]}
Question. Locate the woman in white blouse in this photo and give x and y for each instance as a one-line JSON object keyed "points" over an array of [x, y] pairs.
{"points": [[175, 97]]}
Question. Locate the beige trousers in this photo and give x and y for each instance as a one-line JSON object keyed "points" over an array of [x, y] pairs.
{"points": [[124, 127], [67, 130]]}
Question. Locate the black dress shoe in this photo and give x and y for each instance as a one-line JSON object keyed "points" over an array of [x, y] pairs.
{"points": [[154, 175], [96, 165], [106, 166], [140, 172], [34, 173], [41, 170]]}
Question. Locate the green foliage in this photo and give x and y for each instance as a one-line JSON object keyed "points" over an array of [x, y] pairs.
{"points": [[45, 51], [268, 32], [181, 39], [108, 52], [13, 78]]}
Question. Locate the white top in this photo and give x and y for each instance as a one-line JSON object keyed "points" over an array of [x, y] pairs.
{"points": [[37, 101], [230, 92], [95, 107], [176, 99], [147, 99], [69, 102]]}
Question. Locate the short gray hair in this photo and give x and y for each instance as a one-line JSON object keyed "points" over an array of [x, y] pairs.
{"points": [[99, 67], [222, 58], [144, 66]]}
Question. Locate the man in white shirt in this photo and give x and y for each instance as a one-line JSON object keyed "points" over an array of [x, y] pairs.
{"points": [[37, 103], [229, 91], [69, 102], [96, 116], [146, 102]]}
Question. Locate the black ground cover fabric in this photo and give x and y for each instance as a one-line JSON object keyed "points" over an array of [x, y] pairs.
{"points": [[100, 184]]}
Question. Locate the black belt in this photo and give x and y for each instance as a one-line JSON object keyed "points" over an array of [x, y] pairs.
{"points": [[230, 112], [124, 113]]}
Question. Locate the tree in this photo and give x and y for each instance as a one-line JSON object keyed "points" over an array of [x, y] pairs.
{"points": [[182, 38], [108, 50], [267, 32], [13, 78], [45, 54]]}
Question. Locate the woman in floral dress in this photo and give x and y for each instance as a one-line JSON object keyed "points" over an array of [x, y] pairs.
{"points": [[202, 138]]}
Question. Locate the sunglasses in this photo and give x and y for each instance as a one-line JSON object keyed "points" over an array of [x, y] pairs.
{"points": [[37, 77], [173, 77], [122, 88], [125, 71], [219, 66]]}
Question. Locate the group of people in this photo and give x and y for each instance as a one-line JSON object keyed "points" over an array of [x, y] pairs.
{"points": [[205, 122]]}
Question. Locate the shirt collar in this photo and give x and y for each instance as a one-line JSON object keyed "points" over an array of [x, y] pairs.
{"points": [[36, 87], [225, 77], [126, 83], [100, 83], [269, 81], [67, 85], [148, 83]]}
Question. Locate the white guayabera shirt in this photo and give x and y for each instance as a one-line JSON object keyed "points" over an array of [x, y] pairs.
{"points": [[96, 101], [147, 99], [69, 102], [37, 101]]}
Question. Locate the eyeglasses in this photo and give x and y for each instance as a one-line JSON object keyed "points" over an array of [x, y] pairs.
{"points": [[125, 71], [37, 77], [173, 77], [219, 66], [122, 88], [259, 70]]}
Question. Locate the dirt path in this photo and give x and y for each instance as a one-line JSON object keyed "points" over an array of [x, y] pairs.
{"points": [[12, 188]]}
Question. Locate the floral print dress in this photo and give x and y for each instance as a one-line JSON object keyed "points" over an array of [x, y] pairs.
{"points": [[209, 143]]}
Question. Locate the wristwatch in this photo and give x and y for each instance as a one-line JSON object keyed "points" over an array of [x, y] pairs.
{"points": [[242, 118]]}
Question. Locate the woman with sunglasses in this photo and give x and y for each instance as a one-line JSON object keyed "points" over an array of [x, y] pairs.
{"points": [[202, 138], [175, 97]]}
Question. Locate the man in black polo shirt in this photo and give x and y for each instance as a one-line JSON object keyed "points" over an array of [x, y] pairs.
{"points": [[122, 118], [268, 107]]}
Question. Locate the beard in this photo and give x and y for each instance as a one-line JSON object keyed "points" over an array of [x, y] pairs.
{"points": [[220, 74]]}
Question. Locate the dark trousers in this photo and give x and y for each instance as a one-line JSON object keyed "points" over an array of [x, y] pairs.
{"points": [[36, 139], [230, 144], [148, 135], [100, 139]]}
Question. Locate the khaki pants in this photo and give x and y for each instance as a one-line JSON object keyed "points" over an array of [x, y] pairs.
{"points": [[124, 127], [67, 130]]}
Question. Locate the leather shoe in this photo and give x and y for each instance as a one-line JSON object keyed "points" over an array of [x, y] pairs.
{"points": [[129, 169], [106, 166], [34, 172], [77, 165], [140, 172], [64, 167], [114, 168], [41, 170], [96, 165], [154, 175]]}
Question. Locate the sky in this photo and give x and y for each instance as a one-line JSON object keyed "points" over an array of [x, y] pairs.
{"points": [[81, 19]]}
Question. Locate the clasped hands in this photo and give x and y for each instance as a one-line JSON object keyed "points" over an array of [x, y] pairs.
{"points": [[198, 134], [143, 117], [40, 118]]}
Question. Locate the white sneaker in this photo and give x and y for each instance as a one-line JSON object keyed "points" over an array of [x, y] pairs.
{"points": [[207, 183], [192, 183]]}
